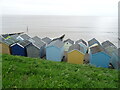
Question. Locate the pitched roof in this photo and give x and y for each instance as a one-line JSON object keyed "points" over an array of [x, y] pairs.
{"points": [[92, 41], [14, 36], [10, 41], [81, 40], [37, 39], [5, 35], [24, 43], [95, 49], [25, 36], [57, 43], [108, 44], [38, 45], [70, 41], [46, 40], [76, 47]]}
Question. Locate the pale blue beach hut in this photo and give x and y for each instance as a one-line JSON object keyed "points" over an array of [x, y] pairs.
{"points": [[83, 44], [55, 50], [99, 57]]}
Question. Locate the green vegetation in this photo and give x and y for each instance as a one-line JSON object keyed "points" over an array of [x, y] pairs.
{"points": [[24, 72]]}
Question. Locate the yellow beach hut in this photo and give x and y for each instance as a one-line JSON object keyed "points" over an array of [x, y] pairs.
{"points": [[75, 54], [5, 45], [4, 48]]}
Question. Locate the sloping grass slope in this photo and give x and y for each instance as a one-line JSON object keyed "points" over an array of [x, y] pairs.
{"points": [[24, 72]]}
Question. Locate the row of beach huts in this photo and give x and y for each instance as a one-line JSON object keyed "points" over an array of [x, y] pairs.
{"points": [[92, 52]]}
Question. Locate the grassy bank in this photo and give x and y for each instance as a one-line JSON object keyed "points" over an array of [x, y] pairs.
{"points": [[24, 72]]}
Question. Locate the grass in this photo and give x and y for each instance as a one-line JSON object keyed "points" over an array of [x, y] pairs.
{"points": [[24, 72]]}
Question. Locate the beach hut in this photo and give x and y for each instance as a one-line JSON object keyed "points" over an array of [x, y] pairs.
{"points": [[37, 46], [111, 50], [20, 48], [23, 37], [4, 48], [99, 57], [46, 40], [83, 44], [92, 42], [55, 50], [75, 54], [67, 44]]}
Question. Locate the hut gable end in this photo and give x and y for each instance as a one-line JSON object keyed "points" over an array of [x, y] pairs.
{"points": [[69, 41], [56, 43], [93, 41]]}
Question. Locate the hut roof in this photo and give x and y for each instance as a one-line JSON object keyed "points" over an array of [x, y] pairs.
{"points": [[36, 41], [76, 47], [5, 35], [25, 36], [81, 40], [46, 40], [70, 41], [38, 45], [8, 42], [36, 38], [108, 44], [92, 41], [24, 43], [57, 43], [95, 49], [14, 36]]}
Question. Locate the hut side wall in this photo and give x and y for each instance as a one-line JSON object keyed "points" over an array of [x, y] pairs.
{"points": [[115, 60], [42, 51], [75, 57], [84, 46]]}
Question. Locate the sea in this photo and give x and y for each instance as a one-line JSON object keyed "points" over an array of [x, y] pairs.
{"points": [[74, 27]]}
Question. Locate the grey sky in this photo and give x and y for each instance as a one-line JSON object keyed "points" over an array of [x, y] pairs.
{"points": [[60, 7]]}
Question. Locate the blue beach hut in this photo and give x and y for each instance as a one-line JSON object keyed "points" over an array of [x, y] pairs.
{"points": [[55, 50], [98, 57], [20, 48]]}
